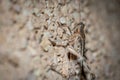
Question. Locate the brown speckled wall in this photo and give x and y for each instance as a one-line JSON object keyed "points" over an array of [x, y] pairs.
{"points": [[35, 34]]}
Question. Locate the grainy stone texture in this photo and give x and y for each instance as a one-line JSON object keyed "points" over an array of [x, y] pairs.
{"points": [[34, 34]]}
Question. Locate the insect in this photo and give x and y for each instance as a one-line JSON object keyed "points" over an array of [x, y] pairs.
{"points": [[77, 37], [81, 36], [82, 58]]}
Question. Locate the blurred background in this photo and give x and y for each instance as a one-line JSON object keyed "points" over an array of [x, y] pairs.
{"points": [[22, 23]]}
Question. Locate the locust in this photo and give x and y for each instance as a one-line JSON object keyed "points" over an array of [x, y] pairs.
{"points": [[77, 36]]}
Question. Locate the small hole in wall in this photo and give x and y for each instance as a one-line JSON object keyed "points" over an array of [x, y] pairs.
{"points": [[42, 12], [36, 32]]}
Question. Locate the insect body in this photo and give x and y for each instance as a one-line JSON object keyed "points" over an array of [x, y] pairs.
{"points": [[76, 50]]}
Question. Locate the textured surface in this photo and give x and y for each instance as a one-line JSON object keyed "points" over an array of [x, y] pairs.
{"points": [[34, 35]]}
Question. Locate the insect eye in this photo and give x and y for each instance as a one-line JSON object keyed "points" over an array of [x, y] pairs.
{"points": [[82, 25]]}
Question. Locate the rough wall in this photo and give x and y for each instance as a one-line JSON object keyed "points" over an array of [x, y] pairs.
{"points": [[26, 27]]}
